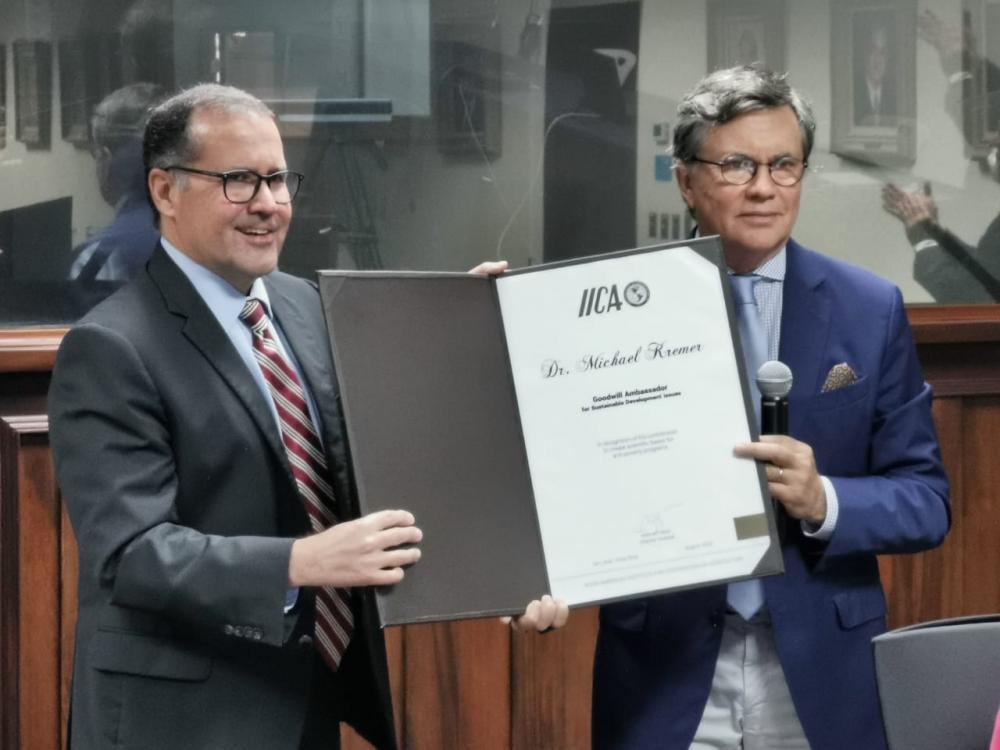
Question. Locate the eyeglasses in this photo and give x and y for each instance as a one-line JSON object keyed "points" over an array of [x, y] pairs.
{"points": [[242, 185], [740, 170]]}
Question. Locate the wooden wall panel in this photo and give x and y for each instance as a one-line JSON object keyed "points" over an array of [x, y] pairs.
{"points": [[551, 682], [978, 552], [457, 685], [36, 562], [10, 628], [69, 573], [474, 683]]}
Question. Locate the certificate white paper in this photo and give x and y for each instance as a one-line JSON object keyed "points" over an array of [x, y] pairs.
{"points": [[630, 399]]}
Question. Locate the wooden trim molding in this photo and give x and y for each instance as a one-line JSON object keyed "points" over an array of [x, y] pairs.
{"points": [[959, 348], [34, 349], [954, 324], [9, 588], [29, 349]]}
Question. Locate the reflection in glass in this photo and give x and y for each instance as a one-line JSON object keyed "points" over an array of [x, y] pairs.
{"points": [[121, 248], [436, 135]]}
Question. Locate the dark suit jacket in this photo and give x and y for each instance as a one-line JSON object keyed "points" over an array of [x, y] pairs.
{"points": [[864, 114], [876, 442], [955, 272], [185, 508]]}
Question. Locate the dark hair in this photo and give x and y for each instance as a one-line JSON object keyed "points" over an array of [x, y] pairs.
{"points": [[168, 139], [725, 95]]}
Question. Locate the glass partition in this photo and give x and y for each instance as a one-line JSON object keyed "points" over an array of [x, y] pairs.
{"points": [[438, 133]]}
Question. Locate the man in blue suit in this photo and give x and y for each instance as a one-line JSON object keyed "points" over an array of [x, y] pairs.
{"points": [[859, 476]]}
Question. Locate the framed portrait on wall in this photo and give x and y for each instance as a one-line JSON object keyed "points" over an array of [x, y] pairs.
{"points": [[741, 32], [874, 84], [89, 69], [467, 100], [3, 97], [33, 93], [974, 71], [75, 93]]}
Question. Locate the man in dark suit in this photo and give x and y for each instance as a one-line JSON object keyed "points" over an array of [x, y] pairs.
{"points": [[859, 476], [198, 441], [953, 271]]}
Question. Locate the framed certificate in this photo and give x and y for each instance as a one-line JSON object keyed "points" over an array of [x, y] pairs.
{"points": [[564, 429]]}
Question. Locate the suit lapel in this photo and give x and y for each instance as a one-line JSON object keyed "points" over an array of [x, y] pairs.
{"points": [[203, 331], [307, 337], [805, 321], [301, 332], [306, 334]]}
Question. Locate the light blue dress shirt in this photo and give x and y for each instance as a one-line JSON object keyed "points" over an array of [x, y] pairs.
{"points": [[769, 294]]}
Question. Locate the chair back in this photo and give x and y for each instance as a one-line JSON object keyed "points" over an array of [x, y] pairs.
{"points": [[939, 683]]}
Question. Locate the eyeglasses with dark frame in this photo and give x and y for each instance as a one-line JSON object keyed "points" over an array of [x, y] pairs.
{"points": [[785, 171], [242, 185]]}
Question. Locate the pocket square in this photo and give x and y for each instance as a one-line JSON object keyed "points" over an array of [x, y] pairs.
{"points": [[840, 376]]}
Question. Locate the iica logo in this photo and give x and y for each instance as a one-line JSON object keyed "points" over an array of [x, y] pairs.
{"points": [[602, 299]]}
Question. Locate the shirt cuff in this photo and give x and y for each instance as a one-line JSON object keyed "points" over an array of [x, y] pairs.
{"points": [[924, 245], [825, 531], [291, 599]]}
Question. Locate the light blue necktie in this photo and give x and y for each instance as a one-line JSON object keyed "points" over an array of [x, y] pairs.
{"points": [[746, 597]]}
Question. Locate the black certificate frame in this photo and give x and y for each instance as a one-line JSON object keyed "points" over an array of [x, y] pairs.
{"points": [[432, 421]]}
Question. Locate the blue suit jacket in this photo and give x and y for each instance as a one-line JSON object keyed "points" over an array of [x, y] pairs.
{"points": [[875, 440]]}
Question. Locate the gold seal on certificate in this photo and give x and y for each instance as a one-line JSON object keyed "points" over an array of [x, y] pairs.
{"points": [[565, 428]]}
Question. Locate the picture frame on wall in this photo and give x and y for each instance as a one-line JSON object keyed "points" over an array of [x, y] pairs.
{"points": [[89, 69], [33, 93], [467, 102], [741, 32], [977, 74], [873, 85], [3, 97], [75, 92]]}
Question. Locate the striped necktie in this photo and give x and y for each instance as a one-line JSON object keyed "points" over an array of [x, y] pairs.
{"points": [[334, 620], [747, 597]]}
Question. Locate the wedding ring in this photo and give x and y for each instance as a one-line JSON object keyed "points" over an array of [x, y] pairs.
{"points": [[781, 474]]}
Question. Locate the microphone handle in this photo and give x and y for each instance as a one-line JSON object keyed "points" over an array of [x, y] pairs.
{"points": [[773, 416], [774, 421]]}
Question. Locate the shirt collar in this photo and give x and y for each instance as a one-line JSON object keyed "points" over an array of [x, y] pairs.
{"points": [[774, 267], [222, 298]]}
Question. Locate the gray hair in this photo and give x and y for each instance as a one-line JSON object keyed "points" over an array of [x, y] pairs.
{"points": [[168, 139], [725, 95], [121, 116]]}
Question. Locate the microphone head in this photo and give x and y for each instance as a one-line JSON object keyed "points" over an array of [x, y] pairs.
{"points": [[774, 379]]}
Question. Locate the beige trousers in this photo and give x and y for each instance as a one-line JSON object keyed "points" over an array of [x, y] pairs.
{"points": [[749, 707]]}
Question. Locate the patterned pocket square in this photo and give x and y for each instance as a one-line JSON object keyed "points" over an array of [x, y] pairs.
{"points": [[840, 376]]}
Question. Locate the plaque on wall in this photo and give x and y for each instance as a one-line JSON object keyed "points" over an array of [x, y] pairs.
{"points": [[33, 93]]}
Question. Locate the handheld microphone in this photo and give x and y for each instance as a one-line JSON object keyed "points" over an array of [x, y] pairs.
{"points": [[774, 381]]}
